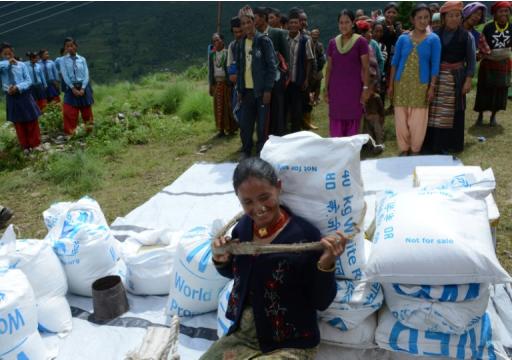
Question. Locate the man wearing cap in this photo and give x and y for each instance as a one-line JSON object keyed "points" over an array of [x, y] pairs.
{"points": [[277, 125], [256, 75]]}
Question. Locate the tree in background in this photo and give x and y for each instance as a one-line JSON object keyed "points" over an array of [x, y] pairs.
{"points": [[404, 13]]}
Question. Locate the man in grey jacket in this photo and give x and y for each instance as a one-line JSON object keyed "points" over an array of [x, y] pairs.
{"points": [[256, 74]]}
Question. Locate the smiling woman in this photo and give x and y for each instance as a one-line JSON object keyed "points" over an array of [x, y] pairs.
{"points": [[275, 296]]}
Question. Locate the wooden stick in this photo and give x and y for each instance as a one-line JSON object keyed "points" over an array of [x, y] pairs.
{"points": [[251, 248]]}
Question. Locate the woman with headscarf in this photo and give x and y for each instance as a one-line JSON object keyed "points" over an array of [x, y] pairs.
{"points": [[473, 15], [445, 130], [494, 73]]}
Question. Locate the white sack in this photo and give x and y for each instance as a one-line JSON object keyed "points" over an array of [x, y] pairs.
{"points": [[337, 352], [85, 246], [322, 182], [19, 338], [223, 323], [481, 342], [46, 276], [149, 258], [502, 301], [433, 237], [450, 309], [196, 284], [354, 302], [362, 336]]}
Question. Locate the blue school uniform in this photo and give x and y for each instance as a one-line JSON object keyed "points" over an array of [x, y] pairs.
{"points": [[58, 62], [75, 73], [21, 107], [51, 76], [39, 85]]}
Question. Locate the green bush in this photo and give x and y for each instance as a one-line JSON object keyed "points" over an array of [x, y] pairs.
{"points": [[11, 155], [196, 72], [139, 136], [51, 121], [78, 173], [170, 100], [197, 105]]}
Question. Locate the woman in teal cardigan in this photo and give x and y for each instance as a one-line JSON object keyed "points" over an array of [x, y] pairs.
{"points": [[414, 70]]}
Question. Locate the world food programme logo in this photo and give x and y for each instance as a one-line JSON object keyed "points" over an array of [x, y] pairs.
{"points": [[203, 249]]}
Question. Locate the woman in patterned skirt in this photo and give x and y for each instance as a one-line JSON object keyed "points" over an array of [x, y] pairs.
{"points": [[445, 130]]}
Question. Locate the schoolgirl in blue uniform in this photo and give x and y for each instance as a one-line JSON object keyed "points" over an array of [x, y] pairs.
{"points": [[38, 87], [51, 76], [58, 62], [78, 96], [21, 107]]}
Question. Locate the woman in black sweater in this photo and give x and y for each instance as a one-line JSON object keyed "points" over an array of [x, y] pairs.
{"points": [[275, 296]]}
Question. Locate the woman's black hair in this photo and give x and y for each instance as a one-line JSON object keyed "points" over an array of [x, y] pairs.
{"points": [[348, 13], [5, 45], [284, 19], [42, 51], [254, 167], [375, 23], [293, 15], [391, 5], [419, 7], [69, 39]]}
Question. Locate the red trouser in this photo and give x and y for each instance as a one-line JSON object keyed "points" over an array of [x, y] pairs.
{"points": [[29, 134], [41, 104], [71, 118], [55, 99]]}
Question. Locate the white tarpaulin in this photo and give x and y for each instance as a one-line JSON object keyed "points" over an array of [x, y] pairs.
{"points": [[200, 195]]}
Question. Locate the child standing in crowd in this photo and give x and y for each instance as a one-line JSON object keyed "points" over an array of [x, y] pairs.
{"points": [[78, 96], [58, 62], [21, 108], [220, 88], [51, 76], [38, 88]]}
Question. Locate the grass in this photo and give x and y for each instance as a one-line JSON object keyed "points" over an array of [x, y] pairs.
{"points": [[126, 162]]}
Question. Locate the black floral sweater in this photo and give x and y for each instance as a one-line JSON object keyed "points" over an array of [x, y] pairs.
{"points": [[285, 289]]}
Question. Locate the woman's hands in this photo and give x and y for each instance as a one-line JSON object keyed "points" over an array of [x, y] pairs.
{"points": [[430, 93], [334, 245], [390, 91], [467, 86], [217, 243]]}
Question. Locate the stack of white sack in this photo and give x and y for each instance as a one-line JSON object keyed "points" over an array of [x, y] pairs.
{"points": [[19, 338], [84, 244], [321, 182], [195, 283], [36, 259], [439, 237], [351, 319], [149, 259]]}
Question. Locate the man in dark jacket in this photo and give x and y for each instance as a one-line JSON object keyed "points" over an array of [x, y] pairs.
{"points": [[279, 39], [257, 71], [301, 61]]}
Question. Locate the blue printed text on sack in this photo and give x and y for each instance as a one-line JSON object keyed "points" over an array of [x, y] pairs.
{"points": [[195, 294], [11, 322]]}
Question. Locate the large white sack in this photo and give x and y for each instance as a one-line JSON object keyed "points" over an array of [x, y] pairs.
{"points": [[196, 284], [502, 301], [223, 323], [451, 309], [482, 342], [46, 276], [362, 336], [434, 237], [85, 246], [19, 338], [322, 182], [149, 258], [354, 302], [337, 352]]}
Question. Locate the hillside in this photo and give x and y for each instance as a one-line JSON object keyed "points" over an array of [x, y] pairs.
{"points": [[124, 40]]}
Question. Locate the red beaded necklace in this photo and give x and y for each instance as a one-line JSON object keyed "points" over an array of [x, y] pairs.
{"points": [[268, 231]]}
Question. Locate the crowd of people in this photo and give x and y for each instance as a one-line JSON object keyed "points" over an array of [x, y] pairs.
{"points": [[270, 74], [31, 85]]}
